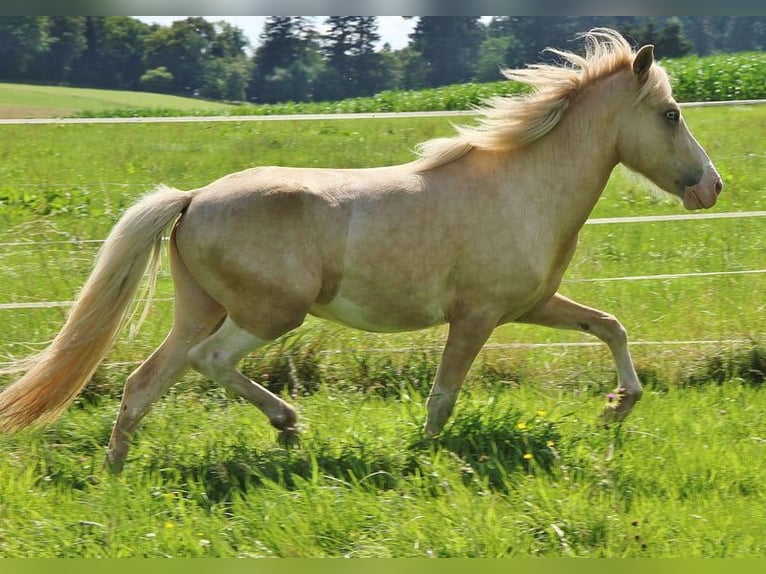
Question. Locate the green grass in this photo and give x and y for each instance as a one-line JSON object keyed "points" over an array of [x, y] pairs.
{"points": [[365, 484], [683, 477], [28, 100], [452, 97]]}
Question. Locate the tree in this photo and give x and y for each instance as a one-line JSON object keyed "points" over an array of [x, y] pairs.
{"points": [[226, 79], [449, 45], [667, 36], [65, 43], [758, 39], [229, 41], [352, 66], [671, 41], [183, 49], [532, 34], [22, 39], [203, 58], [225, 68], [491, 58], [371, 72], [332, 83], [743, 33], [113, 56], [286, 62], [414, 70], [157, 80], [698, 29]]}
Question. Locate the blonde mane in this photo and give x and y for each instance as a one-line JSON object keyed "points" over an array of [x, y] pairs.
{"points": [[510, 123]]}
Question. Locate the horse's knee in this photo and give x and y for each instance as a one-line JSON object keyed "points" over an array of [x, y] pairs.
{"points": [[197, 360], [218, 355]]}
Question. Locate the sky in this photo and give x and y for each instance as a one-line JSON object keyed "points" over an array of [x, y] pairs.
{"points": [[392, 29]]}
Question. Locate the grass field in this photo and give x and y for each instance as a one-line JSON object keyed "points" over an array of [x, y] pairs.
{"points": [[33, 101], [524, 469]]}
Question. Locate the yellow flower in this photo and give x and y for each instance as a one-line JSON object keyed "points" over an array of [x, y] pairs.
{"points": [[550, 443], [521, 426], [169, 525], [541, 413], [527, 455]]}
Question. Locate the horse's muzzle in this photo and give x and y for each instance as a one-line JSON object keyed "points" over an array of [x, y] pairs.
{"points": [[704, 193]]}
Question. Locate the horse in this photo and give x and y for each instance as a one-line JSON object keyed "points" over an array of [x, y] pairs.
{"points": [[474, 232]]}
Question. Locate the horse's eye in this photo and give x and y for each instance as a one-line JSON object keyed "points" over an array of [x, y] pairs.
{"points": [[673, 116]]}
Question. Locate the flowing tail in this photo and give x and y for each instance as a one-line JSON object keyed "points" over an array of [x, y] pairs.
{"points": [[59, 373]]}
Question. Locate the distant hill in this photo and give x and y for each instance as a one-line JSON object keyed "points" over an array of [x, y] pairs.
{"points": [[33, 101]]}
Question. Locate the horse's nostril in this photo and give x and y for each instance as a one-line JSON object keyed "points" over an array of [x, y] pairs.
{"points": [[718, 186]]}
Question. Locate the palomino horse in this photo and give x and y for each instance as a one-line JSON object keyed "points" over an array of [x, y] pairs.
{"points": [[476, 232]]}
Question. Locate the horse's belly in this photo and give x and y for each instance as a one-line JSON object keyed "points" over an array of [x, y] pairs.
{"points": [[379, 317]]}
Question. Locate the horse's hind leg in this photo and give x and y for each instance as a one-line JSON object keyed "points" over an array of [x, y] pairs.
{"points": [[196, 316], [144, 386], [558, 311], [218, 356]]}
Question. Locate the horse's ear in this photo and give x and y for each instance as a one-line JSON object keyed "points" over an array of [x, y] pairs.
{"points": [[643, 61]]}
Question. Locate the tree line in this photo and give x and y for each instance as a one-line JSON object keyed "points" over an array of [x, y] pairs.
{"points": [[306, 58]]}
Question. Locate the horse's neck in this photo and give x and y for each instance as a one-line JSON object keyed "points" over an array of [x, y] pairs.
{"points": [[566, 171]]}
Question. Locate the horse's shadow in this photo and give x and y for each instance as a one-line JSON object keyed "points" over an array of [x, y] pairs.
{"points": [[483, 450], [493, 464], [490, 448]]}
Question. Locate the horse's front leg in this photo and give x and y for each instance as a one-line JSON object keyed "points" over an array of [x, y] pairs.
{"points": [[466, 337], [560, 312]]}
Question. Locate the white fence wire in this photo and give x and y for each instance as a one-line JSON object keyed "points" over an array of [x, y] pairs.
{"points": [[303, 117], [32, 305], [594, 221]]}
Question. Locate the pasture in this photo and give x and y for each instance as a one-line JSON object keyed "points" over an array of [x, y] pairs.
{"points": [[33, 101], [524, 469]]}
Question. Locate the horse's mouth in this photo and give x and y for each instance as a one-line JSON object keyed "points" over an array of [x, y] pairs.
{"points": [[704, 193], [693, 200]]}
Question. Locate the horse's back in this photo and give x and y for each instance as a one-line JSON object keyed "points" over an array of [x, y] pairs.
{"points": [[384, 249], [276, 234]]}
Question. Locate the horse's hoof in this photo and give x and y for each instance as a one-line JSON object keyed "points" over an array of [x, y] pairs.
{"points": [[114, 462], [616, 408], [289, 438]]}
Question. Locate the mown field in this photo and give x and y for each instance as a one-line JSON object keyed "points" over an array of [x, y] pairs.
{"points": [[33, 101], [524, 468]]}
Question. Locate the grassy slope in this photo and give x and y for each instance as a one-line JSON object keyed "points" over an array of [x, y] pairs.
{"points": [[682, 478], [26, 100]]}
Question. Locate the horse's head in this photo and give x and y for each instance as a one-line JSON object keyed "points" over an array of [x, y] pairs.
{"points": [[654, 140]]}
